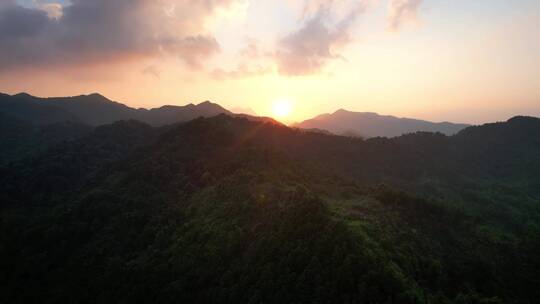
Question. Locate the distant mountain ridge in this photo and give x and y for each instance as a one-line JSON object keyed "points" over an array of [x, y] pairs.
{"points": [[95, 109], [367, 124]]}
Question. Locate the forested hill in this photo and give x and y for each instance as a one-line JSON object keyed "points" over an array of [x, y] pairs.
{"points": [[227, 210]]}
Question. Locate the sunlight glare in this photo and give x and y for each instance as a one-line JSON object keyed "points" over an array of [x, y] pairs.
{"points": [[282, 108]]}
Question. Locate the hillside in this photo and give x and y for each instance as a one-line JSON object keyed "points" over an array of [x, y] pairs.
{"points": [[366, 125], [21, 139], [228, 210]]}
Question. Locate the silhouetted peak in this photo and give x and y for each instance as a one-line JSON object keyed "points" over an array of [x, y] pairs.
{"points": [[23, 95], [165, 107], [342, 111], [523, 119], [371, 124], [97, 97], [347, 112], [209, 104]]}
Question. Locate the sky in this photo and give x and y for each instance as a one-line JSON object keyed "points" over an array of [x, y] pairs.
{"points": [[460, 60]]}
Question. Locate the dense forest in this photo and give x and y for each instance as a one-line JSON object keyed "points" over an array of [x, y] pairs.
{"points": [[228, 210]]}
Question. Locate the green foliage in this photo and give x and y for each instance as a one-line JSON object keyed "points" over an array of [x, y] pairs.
{"points": [[225, 210]]}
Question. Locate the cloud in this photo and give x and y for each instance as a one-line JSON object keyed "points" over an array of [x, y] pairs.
{"points": [[252, 49], [241, 71], [325, 29], [56, 33], [7, 3], [402, 12], [53, 10], [152, 71], [89, 31], [252, 61], [194, 49]]}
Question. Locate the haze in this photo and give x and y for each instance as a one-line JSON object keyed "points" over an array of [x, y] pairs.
{"points": [[463, 61]]}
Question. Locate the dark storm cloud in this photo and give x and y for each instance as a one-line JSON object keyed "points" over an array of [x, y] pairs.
{"points": [[17, 23]]}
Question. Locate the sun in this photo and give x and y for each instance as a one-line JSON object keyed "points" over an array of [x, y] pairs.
{"points": [[282, 108]]}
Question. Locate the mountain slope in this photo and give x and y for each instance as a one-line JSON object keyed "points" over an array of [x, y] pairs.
{"points": [[228, 210], [21, 139], [367, 125], [173, 114], [246, 111], [26, 108], [95, 110]]}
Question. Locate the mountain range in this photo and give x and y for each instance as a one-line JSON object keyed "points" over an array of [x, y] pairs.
{"points": [[95, 109], [365, 124], [232, 209]]}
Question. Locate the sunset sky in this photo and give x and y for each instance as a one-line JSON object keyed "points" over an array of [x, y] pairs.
{"points": [[460, 60]]}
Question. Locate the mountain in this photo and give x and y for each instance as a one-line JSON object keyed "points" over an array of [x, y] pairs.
{"points": [[95, 110], [247, 111], [21, 139], [173, 114], [230, 210], [363, 124], [27, 108]]}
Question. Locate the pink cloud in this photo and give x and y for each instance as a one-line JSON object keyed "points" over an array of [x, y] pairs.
{"points": [[402, 12], [325, 30]]}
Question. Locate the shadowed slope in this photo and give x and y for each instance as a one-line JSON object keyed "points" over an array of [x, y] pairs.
{"points": [[227, 210]]}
